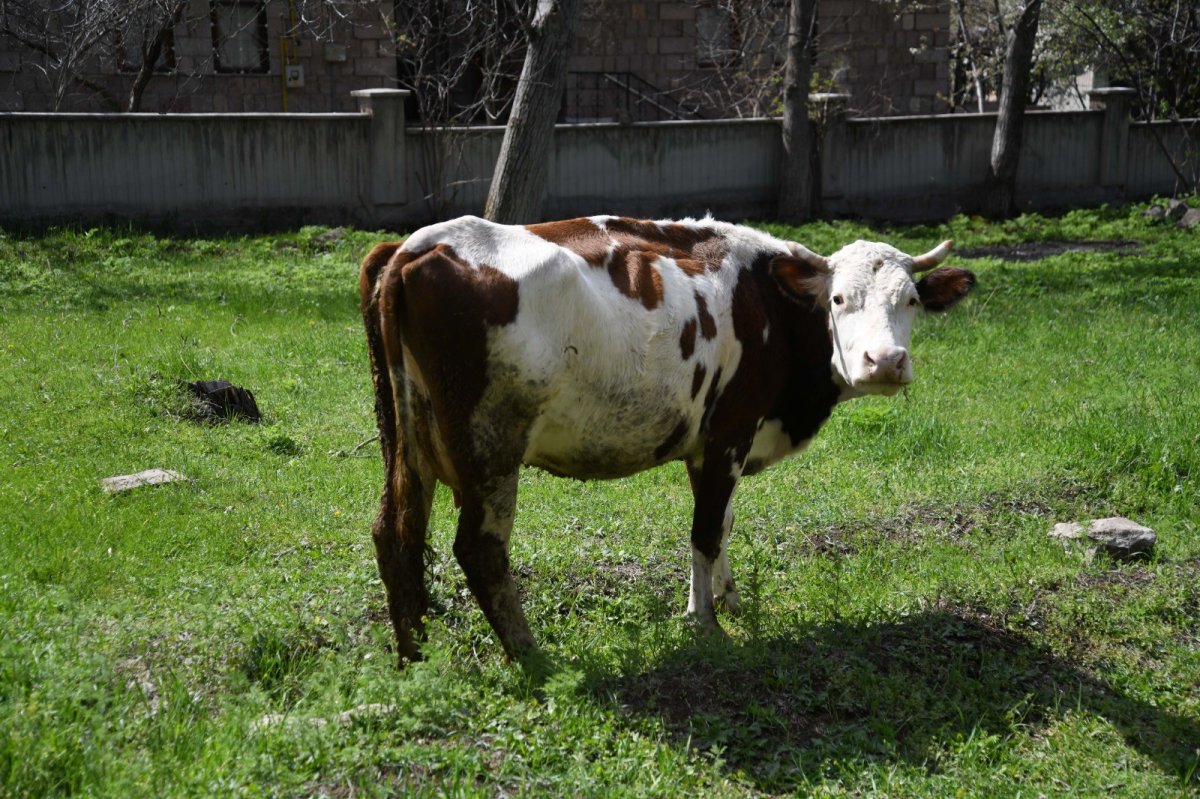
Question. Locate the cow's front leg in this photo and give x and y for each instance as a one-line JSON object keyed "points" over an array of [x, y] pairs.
{"points": [[481, 547], [712, 489], [724, 591]]}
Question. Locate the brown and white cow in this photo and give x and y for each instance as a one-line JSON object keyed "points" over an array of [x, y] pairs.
{"points": [[600, 347]]}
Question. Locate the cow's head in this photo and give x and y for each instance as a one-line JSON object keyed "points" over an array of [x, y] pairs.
{"points": [[871, 298]]}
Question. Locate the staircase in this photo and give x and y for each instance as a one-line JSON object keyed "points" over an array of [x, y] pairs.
{"points": [[619, 97]]}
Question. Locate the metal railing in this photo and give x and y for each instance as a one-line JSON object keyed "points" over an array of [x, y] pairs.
{"points": [[619, 97]]}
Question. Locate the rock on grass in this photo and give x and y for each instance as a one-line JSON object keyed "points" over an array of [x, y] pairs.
{"points": [[1116, 535]]}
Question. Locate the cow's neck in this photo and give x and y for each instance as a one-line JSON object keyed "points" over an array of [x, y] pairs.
{"points": [[809, 391]]}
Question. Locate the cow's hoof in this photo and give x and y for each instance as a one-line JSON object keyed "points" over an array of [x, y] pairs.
{"points": [[404, 660], [408, 650], [706, 623], [536, 664], [730, 602]]}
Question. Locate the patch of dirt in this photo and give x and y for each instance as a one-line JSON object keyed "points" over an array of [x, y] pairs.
{"points": [[1125, 577], [909, 526], [952, 523], [608, 579], [136, 673], [330, 238], [1037, 250]]}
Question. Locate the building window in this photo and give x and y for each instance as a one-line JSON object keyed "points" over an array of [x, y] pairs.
{"points": [[239, 29], [131, 54], [714, 35], [141, 31]]}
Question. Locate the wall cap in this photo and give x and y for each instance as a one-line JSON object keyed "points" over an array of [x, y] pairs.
{"points": [[1112, 91], [380, 93]]}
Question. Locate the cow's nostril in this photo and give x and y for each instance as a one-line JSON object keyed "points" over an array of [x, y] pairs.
{"points": [[867, 359]]}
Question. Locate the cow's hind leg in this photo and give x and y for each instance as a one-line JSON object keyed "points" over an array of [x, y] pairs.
{"points": [[399, 534], [399, 529], [481, 547]]}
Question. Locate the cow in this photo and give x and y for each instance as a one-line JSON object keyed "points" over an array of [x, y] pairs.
{"points": [[600, 347]]}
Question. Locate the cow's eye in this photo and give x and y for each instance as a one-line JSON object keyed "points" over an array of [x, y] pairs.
{"points": [[838, 299], [913, 301]]}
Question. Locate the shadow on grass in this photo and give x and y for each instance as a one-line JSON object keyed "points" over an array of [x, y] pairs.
{"points": [[779, 710]]}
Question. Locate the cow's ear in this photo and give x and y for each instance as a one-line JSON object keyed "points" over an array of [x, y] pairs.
{"points": [[803, 278], [941, 289]]}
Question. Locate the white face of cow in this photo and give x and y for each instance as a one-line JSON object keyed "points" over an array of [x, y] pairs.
{"points": [[868, 290]]}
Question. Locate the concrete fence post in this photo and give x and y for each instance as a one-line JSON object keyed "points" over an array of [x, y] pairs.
{"points": [[1114, 137], [388, 162], [828, 112]]}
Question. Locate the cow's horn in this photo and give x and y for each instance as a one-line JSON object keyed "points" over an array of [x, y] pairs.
{"points": [[808, 256], [932, 258]]}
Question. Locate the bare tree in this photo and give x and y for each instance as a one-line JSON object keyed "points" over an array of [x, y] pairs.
{"points": [[999, 193], [796, 181], [111, 49], [968, 56], [144, 34], [741, 50], [1152, 46], [519, 182], [460, 59], [66, 35]]}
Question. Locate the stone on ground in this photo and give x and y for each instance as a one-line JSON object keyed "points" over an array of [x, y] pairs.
{"points": [[150, 477], [1176, 209], [1190, 219], [1116, 535]]}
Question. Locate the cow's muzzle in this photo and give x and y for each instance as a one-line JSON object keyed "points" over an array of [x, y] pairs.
{"points": [[884, 371]]}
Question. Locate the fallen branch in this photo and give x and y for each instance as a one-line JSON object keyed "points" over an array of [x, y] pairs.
{"points": [[341, 453]]}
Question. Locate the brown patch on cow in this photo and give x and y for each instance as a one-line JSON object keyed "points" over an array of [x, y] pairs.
{"points": [[671, 441], [708, 325], [691, 266], [437, 303], [635, 276], [698, 379], [621, 242], [711, 252], [581, 236], [503, 297], [687, 339], [674, 241], [368, 274]]}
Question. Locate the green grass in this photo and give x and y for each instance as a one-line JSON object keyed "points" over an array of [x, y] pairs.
{"points": [[909, 628]]}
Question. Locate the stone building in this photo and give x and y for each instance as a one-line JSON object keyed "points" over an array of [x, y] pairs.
{"points": [[223, 55], [636, 59], [725, 57]]}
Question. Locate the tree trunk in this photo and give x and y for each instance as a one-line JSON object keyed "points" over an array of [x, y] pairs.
{"points": [[519, 182], [151, 51], [796, 178], [145, 72], [999, 197]]}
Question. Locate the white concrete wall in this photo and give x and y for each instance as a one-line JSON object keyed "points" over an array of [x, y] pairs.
{"points": [[184, 170], [1149, 171], [205, 171]]}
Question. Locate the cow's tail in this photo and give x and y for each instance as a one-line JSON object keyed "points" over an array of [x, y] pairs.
{"points": [[369, 285], [399, 529]]}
